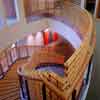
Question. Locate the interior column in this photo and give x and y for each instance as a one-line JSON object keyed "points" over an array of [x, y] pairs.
{"points": [[20, 12]]}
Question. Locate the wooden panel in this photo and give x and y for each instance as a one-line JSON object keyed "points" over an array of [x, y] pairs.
{"points": [[28, 7], [50, 95], [35, 89]]}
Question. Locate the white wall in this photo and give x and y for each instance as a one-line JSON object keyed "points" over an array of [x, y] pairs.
{"points": [[65, 31]]}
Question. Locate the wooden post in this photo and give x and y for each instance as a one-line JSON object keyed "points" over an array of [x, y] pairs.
{"points": [[97, 8], [83, 4]]}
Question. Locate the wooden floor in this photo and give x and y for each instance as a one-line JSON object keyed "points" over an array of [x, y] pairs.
{"points": [[9, 86]]}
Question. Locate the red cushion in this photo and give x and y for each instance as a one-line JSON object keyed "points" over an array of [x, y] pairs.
{"points": [[46, 38], [55, 36]]}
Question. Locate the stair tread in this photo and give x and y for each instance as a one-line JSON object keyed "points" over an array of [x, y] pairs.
{"points": [[12, 94], [9, 85], [7, 88], [6, 85], [5, 92]]}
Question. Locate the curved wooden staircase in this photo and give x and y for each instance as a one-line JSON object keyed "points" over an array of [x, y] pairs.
{"points": [[9, 86], [12, 58]]}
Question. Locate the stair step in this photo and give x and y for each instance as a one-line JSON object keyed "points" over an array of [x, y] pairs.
{"points": [[9, 96], [16, 97], [8, 87], [6, 92], [12, 78], [8, 82]]}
